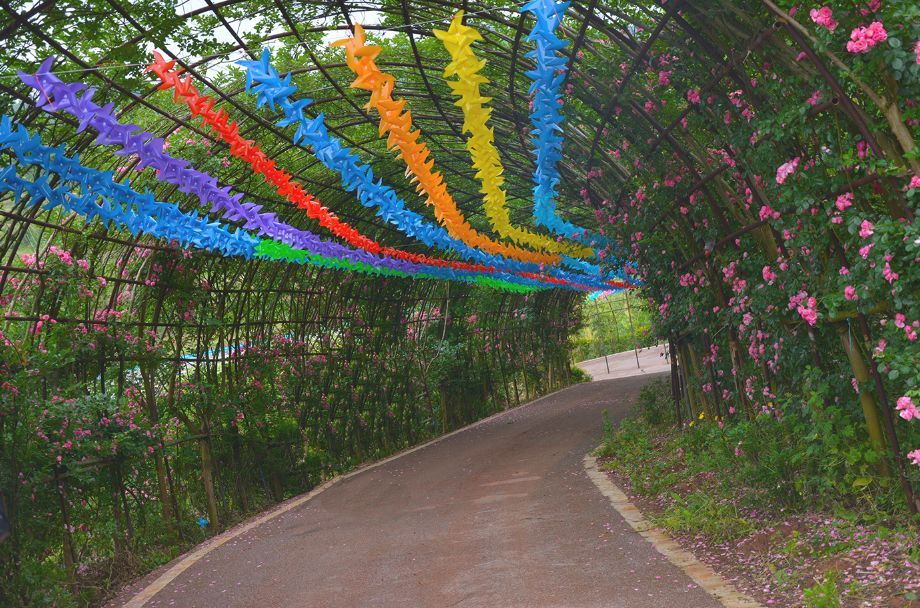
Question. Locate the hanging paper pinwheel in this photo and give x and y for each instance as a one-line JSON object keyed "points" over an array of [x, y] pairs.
{"points": [[547, 78], [458, 40], [405, 140]]}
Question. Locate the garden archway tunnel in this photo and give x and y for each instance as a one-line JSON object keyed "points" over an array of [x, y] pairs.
{"points": [[749, 167]]}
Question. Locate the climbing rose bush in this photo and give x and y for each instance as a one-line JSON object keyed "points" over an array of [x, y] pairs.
{"points": [[783, 257]]}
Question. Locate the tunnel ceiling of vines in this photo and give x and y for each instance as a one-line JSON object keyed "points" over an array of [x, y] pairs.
{"points": [[541, 147], [595, 142]]}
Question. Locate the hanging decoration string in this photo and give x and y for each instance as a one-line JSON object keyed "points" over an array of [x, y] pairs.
{"points": [[547, 78], [117, 205], [458, 41], [274, 90], [59, 95], [120, 205], [404, 139], [248, 151]]}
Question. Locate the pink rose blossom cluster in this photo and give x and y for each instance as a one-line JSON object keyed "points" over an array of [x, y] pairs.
{"points": [[767, 212], [910, 329], [824, 17], [809, 311], [863, 39], [62, 255], [890, 275], [844, 201], [786, 169], [914, 457], [907, 409], [768, 275]]}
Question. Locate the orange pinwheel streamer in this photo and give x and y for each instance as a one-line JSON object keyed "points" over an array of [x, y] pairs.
{"points": [[361, 59], [249, 151]]}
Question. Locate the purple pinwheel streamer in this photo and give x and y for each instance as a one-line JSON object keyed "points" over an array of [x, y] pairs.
{"points": [[76, 99]]}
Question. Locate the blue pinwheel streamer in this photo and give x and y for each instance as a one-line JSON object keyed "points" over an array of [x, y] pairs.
{"points": [[273, 90], [111, 202], [547, 77]]}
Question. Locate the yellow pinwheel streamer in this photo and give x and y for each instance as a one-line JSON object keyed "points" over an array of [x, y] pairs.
{"points": [[361, 60], [458, 40]]}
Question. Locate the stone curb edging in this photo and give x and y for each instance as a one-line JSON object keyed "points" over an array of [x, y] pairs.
{"points": [[702, 575]]}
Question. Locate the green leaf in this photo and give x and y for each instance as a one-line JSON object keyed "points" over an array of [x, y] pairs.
{"points": [[861, 482], [894, 43]]}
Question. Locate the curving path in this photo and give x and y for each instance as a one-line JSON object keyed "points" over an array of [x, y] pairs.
{"points": [[499, 515]]}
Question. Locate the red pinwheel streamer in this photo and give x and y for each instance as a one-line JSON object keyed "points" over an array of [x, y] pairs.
{"points": [[249, 151]]}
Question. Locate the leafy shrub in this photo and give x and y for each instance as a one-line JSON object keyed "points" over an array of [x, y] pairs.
{"points": [[824, 594], [655, 405], [700, 512], [579, 375]]}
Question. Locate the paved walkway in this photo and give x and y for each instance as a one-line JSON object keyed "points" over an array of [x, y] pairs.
{"points": [[651, 360], [499, 515]]}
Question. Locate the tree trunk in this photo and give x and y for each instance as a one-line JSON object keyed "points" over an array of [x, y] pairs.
{"points": [[675, 382], [207, 478], [68, 541], [866, 399], [153, 415]]}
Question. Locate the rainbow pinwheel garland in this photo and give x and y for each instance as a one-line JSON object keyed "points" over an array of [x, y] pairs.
{"points": [[76, 99], [119, 206], [312, 134], [528, 261]]}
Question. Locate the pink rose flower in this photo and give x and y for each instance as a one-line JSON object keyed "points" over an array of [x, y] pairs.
{"points": [[824, 17], [914, 457], [844, 201], [907, 409], [866, 229], [863, 39], [787, 169], [849, 292], [889, 274], [767, 212]]}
